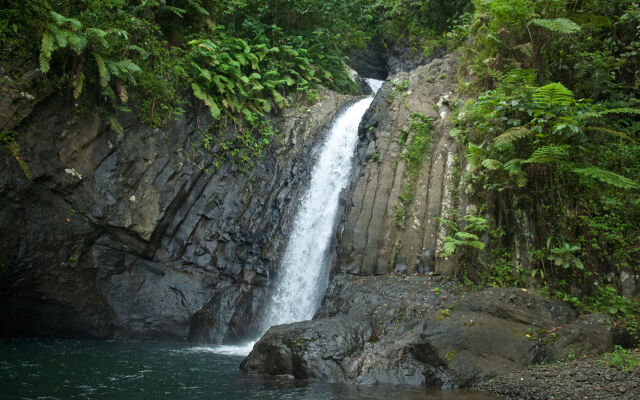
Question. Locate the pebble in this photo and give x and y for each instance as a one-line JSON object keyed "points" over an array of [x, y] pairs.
{"points": [[588, 378]]}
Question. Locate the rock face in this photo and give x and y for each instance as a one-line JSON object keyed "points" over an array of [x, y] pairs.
{"points": [[390, 329], [140, 236], [382, 232], [381, 59], [380, 322]]}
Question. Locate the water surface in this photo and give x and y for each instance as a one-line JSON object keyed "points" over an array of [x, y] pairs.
{"points": [[77, 369]]}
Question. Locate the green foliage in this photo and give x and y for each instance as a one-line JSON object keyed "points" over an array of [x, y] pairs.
{"points": [[419, 134], [468, 236], [241, 59], [558, 25], [607, 177], [626, 360], [422, 22], [553, 131], [565, 256]]}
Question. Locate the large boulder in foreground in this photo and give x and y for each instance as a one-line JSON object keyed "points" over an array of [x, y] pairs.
{"points": [[409, 330]]}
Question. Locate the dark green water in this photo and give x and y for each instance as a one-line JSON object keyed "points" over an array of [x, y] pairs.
{"points": [[73, 369]]}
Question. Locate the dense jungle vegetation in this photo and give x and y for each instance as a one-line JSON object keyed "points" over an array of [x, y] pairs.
{"points": [[553, 130], [240, 58], [552, 127]]}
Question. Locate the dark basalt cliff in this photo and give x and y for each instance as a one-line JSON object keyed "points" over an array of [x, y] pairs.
{"points": [[387, 317], [139, 236]]}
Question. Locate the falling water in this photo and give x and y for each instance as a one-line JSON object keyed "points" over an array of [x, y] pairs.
{"points": [[304, 274]]}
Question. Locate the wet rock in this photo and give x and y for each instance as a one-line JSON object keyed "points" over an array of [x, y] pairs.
{"points": [[141, 236], [409, 330], [381, 58], [380, 226]]}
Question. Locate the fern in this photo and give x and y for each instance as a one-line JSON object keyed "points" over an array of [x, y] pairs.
{"points": [[77, 81], [608, 177], [492, 164], [553, 94], [611, 132], [599, 114], [103, 72], [475, 155], [48, 46], [547, 154], [526, 49], [558, 25], [512, 135]]}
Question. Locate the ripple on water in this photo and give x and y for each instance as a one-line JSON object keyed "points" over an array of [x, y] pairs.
{"points": [[72, 369]]}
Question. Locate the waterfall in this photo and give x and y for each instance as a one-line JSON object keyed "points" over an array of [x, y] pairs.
{"points": [[303, 272]]}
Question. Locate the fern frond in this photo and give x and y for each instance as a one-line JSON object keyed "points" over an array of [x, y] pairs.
{"points": [[206, 99], [474, 155], [526, 49], [466, 235], [77, 81], [130, 66], [143, 53], [598, 114], [492, 164], [611, 132], [179, 12], [103, 72], [115, 126], [60, 35], [60, 20], [553, 94], [278, 99], [547, 154], [607, 177], [98, 35], [196, 5], [512, 135], [78, 43], [558, 25], [513, 166], [46, 50]]}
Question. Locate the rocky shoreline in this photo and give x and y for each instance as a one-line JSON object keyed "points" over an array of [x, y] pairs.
{"points": [[584, 378], [417, 330]]}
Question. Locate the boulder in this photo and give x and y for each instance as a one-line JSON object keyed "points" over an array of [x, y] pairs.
{"points": [[411, 330]]}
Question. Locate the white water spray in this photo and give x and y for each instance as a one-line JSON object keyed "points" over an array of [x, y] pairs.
{"points": [[304, 274]]}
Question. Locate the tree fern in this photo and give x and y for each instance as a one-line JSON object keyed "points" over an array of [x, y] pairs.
{"points": [[608, 177], [558, 25]]}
